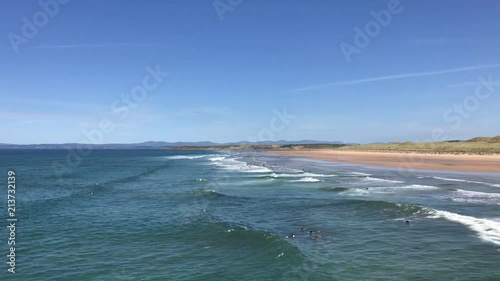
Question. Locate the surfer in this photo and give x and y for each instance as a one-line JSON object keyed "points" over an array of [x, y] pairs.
{"points": [[302, 228], [291, 236], [407, 221]]}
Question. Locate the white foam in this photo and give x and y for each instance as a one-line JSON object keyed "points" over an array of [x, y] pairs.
{"points": [[448, 179], [218, 158], [469, 200], [419, 187], [181, 157], [459, 180], [360, 174], [381, 180], [488, 230], [235, 165], [477, 194], [384, 189], [307, 179], [354, 191], [475, 197], [274, 175], [319, 175], [255, 169], [413, 187]]}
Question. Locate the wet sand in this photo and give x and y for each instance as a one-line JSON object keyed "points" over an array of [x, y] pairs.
{"points": [[450, 162]]}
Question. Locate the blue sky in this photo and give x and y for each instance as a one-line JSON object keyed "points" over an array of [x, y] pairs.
{"points": [[227, 75]]}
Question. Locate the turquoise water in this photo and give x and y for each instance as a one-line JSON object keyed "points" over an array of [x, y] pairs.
{"points": [[198, 215]]}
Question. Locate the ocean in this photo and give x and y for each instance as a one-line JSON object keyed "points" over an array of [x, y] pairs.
{"points": [[226, 215]]}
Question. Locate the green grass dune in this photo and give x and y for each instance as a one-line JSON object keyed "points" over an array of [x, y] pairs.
{"points": [[475, 146]]}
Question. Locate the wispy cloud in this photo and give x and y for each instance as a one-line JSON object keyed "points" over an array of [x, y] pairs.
{"points": [[99, 45], [398, 76], [473, 84]]}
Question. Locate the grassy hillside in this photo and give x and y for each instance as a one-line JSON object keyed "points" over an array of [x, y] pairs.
{"points": [[262, 147], [486, 139], [480, 145]]}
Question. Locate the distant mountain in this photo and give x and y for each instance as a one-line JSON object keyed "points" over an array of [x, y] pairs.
{"points": [[157, 144], [282, 142]]}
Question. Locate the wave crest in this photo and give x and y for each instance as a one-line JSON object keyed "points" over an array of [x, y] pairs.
{"points": [[486, 229]]}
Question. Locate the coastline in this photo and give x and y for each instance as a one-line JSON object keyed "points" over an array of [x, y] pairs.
{"points": [[441, 162]]}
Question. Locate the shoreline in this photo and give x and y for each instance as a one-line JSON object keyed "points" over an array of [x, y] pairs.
{"points": [[420, 161]]}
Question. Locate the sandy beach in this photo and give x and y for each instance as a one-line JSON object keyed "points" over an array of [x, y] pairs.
{"points": [[451, 162]]}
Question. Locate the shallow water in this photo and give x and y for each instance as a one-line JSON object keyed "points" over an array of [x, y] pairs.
{"points": [[198, 215]]}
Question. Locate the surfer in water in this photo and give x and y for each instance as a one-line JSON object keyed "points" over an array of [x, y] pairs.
{"points": [[302, 228], [291, 236]]}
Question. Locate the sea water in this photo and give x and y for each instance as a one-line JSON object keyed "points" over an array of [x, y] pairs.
{"points": [[223, 215]]}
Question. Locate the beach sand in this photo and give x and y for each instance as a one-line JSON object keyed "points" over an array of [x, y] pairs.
{"points": [[450, 162]]}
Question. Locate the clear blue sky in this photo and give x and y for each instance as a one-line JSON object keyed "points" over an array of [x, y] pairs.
{"points": [[227, 75]]}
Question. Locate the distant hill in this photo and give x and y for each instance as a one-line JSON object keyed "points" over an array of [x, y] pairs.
{"points": [[476, 146], [486, 139], [160, 144], [264, 146], [143, 145]]}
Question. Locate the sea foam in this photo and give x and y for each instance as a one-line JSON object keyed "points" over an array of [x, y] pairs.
{"points": [[235, 165], [488, 230], [307, 179], [381, 180], [475, 197], [459, 180], [182, 157]]}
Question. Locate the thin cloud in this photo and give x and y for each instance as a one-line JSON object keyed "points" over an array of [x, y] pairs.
{"points": [[399, 76], [101, 45], [474, 84]]}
